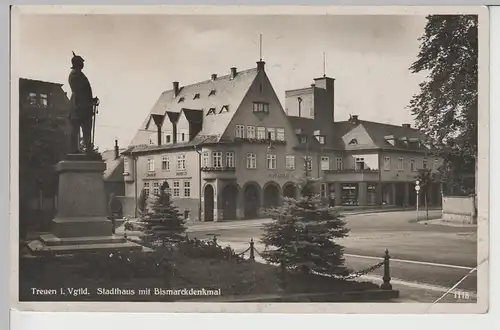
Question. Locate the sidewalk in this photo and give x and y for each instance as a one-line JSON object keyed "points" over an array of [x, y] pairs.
{"points": [[442, 222]]}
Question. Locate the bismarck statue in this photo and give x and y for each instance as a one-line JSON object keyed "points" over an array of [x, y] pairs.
{"points": [[83, 109]]}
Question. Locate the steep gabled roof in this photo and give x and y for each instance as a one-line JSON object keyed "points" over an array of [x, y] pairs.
{"points": [[223, 91], [193, 115], [114, 167], [199, 140]]}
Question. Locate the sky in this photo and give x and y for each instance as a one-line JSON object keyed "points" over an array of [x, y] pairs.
{"points": [[131, 59]]}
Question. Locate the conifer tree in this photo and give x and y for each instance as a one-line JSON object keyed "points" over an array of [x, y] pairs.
{"points": [[302, 235], [164, 223]]}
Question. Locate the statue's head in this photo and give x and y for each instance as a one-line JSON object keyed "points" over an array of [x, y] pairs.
{"points": [[77, 62]]}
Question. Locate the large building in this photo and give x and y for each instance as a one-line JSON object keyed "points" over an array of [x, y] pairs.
{"points": [[228, 149]]}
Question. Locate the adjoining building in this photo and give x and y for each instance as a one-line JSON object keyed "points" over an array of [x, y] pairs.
{"points": [[228, 149]]}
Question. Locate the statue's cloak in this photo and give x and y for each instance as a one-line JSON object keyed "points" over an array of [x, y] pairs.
{"points": [[81, 95]]}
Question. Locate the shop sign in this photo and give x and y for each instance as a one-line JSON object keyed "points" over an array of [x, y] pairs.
{"points": [[181, 173]]}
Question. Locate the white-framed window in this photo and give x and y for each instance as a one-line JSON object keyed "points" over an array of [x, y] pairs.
{"points": [[260, 107], [217, 159], [44, 100], [359, 163], [271, 134], [187, 189], [240, 131], [387, 163], [156, 188], [251, 160], [146, 188], [261, 133], [152, 138], [181, 162], [230, 159], [271, 161], [280, 134], [205, 159], [151, 164], [32, 99], [168, 137], [412, 165], [325, 163], [424, 164], [176, 190], [308, 163], [165, 163], [401, 164], [321, 139], [323, 190], [339, 162], [290, 162], [251, 132]]}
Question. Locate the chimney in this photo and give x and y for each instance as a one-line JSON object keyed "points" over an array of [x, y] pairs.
{"points": [[354, 119], [407, 125], [261, 65], [214, 76], [233, 72], [176, 88], [117, 150]]}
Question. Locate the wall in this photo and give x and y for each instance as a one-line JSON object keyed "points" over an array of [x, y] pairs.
{"points": [[406, 175], [306, 106], [459, 209]]}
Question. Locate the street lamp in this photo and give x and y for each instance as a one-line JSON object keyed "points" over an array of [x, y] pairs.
{"points": [[199, 181], [417, 189]]}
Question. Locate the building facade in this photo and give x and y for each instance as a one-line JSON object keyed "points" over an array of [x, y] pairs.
{"points": [[228, 149]]}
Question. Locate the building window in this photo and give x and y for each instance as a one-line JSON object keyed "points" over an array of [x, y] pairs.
{"points": [[325, 163], [151, 164], [303, 139], [251, 132], [196, 96], [212, 92], [349, 193], [156, 188], [387, 163], [152, 138], [271, 161], [206, 159], [181, 99], [146, 188], [176, 191], [353, 141], [32, 99], [186, 214], [187, 189], [323, 190], [280, 134], [240, 131], [165, 163], [168, 138], [308, 163], [401, 164], [211, 111], [271, 134], [261, 133], [371, 194], [290, 162], [225, 108], [251, 160], [181, 162], [44, 100], [230, 159], [360, 163], [217, 159], [183, 137], [338, 163], [260, 107], [424, 164], [321, 139], [412, 165]]}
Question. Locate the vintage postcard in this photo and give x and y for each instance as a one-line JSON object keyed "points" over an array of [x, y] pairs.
{"points": [[292, 159]]}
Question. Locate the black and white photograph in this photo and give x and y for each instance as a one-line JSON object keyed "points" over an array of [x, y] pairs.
{"points": [[250, 159]]}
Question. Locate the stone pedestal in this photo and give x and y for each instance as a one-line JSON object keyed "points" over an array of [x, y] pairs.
{"points": [[81, 223]]}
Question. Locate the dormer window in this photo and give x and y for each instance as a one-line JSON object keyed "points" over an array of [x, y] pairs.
{"points": [[181, 99], [321, 139], [303, 139], [196, 96], [353, 142], [225, 108], [212, 92], [211, 111]]}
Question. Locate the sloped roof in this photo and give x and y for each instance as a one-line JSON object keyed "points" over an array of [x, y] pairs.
{"points": [[112, 164], [193, 115], [228, 92], [197, 141]]}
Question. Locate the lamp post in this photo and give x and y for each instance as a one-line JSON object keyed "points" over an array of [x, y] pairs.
{"points": [[198, 150], [417, 189]]}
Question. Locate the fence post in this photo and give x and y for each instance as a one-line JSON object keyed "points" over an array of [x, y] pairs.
{"points": [[387, 275], [252, 253]]}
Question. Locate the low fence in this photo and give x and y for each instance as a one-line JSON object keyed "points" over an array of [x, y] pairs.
{"points": [[460, 209]]}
